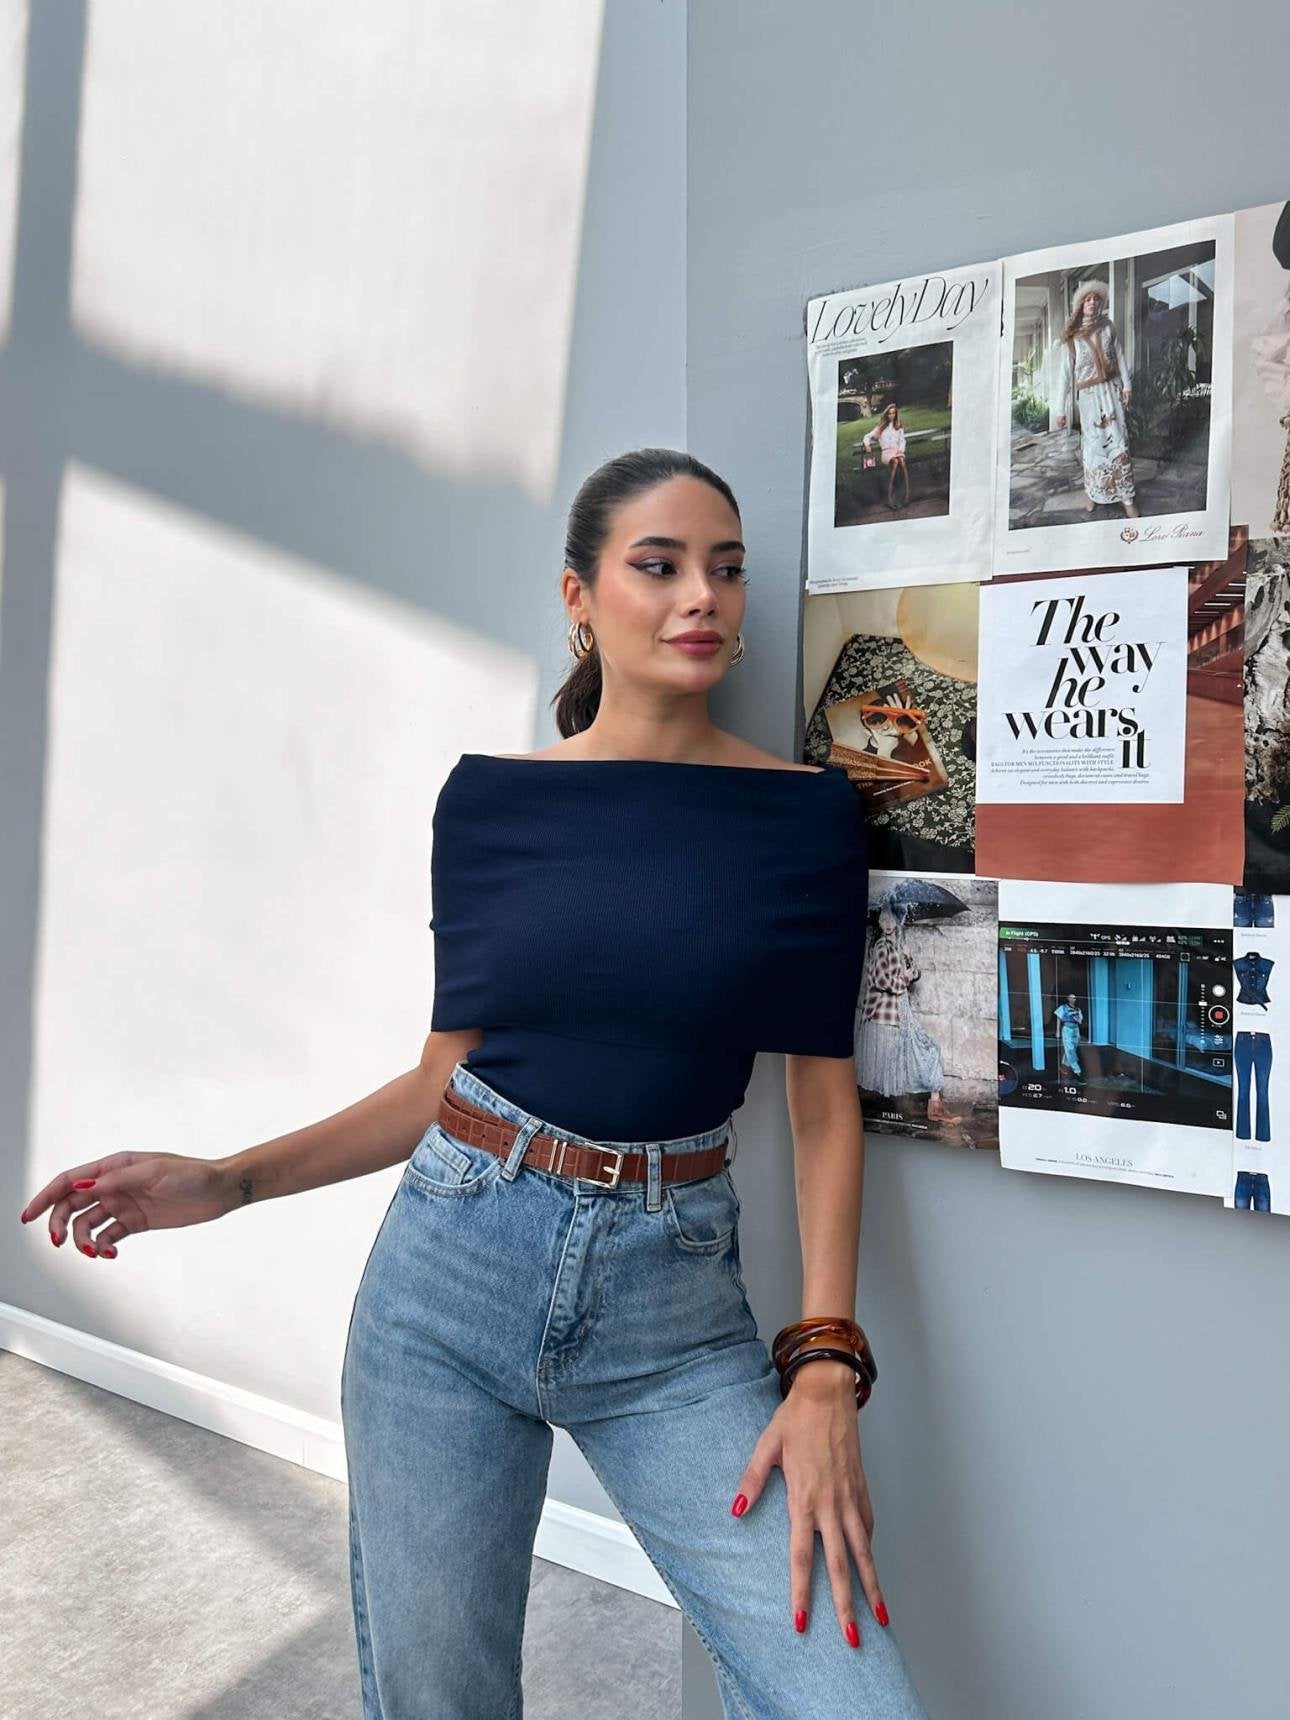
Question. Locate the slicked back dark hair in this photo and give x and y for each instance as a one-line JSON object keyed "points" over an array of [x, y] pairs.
{"points": [[590, 521]]}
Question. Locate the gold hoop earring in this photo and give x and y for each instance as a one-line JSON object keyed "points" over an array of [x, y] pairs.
{"points": [[737, 655], [577, 644]]}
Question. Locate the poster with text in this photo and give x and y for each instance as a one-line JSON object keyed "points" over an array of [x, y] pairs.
{"points": [[1260, 1174], [1267, 716], [1083, 689], [1115, 1033], [1261, 370], [889, 691], [926, 1024], [1114, 401], [1200, 838], [902, 381]]}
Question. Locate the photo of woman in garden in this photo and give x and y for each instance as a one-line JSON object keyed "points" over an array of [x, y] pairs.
{"points": [[1115, 405], [889, 434], [1093, 378]]}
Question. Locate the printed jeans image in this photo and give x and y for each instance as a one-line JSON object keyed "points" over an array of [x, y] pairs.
{"points": [[1252, 908], [1253, 1059], [1253, 1186], [500, 1301]]}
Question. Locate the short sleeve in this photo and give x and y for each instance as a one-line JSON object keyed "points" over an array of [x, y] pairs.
{"points": [[460, 991], [817, 973]]}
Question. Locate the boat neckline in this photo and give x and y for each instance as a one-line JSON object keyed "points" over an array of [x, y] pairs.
{"points": [[669, 763]]}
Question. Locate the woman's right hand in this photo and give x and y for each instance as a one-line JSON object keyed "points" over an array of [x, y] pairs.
{"points": [[1061, 420], [128, 1193]]}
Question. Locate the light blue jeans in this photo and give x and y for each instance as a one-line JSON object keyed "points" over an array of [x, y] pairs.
{"points": [[499, 1300]]}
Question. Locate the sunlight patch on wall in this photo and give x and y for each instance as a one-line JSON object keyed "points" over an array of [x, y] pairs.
{"points": [[244, 753], [13, 54], [370, 216]]}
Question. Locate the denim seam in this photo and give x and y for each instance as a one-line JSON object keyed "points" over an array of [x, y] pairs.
{"points": [[366, 1669], [745, 1713], [546, 1324]]}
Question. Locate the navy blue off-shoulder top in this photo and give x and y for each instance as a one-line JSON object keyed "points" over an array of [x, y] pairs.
{"points": [[629, 933]]}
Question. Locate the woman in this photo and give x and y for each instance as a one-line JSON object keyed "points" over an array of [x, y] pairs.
{"points": [[621, 921], [1070, 1018], [1091, 369], [897, 1055], [889, 433]]}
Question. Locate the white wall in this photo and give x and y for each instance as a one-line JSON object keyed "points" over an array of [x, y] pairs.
{"points": [[317, 316]]}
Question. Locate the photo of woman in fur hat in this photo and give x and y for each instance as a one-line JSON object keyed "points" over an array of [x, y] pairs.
{"points": [[1093, 376]]}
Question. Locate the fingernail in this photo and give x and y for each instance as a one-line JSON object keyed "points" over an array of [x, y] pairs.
{"points": [[85, 1182], [53, 1237], [740, 1505], [880, 1613], [110, 1254], [86, 1248], [799, 1618], [853, 1633], [23, 1217]]}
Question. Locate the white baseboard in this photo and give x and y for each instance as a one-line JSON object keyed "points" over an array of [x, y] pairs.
{"points": [[567, 1535]]}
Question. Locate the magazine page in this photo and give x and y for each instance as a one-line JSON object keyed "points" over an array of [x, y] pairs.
{"points": [[1196, 839], [902, 381], [1083, 691], [889, 693], [1267, 716], [1261, 370], [1260, 1174], [927, 1024], [1114, 401], [1115, 1033]]}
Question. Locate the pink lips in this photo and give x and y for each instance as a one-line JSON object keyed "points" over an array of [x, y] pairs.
{"points": [[696, 644]]}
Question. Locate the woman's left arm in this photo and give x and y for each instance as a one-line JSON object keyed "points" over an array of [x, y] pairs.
{"points": [[814, 1434]]}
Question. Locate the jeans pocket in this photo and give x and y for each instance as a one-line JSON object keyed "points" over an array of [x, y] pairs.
{"points": [[702, 1216], [442, 1165]]}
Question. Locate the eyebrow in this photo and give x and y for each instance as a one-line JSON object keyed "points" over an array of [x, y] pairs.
{"points": [[679, 543]]}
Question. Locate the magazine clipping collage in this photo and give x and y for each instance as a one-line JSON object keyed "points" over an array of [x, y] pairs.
{"points": [[1047, 637]]}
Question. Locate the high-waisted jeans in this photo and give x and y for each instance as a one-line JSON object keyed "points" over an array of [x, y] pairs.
{"points": [[499, 1300], [1253, 1060]]}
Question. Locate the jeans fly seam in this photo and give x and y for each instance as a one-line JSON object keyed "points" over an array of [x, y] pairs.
{"points": [[546, 1327]]}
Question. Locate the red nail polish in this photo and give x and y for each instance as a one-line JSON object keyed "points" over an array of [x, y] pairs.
{"points": [[799, 1618], [740, 1505], [86, 1248], [853, 1633], [23, 1216], [85, 1182], [53, 1238], [880, 1613], [110, 1254]]}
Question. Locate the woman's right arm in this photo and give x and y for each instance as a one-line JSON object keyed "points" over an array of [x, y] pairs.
{"points": [[127, 1193]]}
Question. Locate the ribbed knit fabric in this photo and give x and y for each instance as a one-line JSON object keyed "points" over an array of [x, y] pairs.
{"points": [[629, 933]]}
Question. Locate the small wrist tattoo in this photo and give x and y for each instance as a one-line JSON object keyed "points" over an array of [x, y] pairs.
{"points": [[245, 1186]]}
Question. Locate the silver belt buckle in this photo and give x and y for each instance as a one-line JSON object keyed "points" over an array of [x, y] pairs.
{"points": [[612, 1180]]}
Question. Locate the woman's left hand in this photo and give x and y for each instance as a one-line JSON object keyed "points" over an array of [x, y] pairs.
{"points": [[814, 1437]]}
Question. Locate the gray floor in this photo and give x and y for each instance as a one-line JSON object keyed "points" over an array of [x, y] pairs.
{"points": [[150, 1570]]}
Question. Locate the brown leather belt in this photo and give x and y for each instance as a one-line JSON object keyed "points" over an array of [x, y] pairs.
{"points": [[607, 1166]]}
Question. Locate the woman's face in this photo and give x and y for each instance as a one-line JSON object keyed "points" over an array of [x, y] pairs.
{"points": [[886, 921], [890, 415], [1092, 304], [671, 565], [1070, 998]]}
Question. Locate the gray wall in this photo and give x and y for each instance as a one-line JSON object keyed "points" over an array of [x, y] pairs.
{"points": [[1076, 1449]]}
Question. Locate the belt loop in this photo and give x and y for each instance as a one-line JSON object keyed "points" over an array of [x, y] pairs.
{"points": [[734, 1140], [519, 1147], [653, 1176]]}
